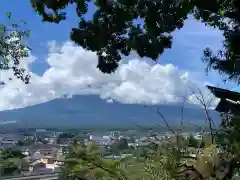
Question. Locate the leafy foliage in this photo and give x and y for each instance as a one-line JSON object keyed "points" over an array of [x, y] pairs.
{"points": [[166, 161], [11, 161], [113, 30], [224, 15], [116, 28], [8, 168], [86, 162], [193, 142], [171, 163], [119, 145], [229, 137], [13, 165], [13, 49], [9, 153], [228, 140]]}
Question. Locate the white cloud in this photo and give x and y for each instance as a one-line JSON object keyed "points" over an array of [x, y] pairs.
{"points": [[73, 71]]}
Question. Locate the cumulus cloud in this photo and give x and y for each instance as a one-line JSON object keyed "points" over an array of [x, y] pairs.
{"points": [[73, 71]]}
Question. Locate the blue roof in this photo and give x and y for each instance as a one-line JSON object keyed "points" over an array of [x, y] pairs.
{"points": [[111, 157]]}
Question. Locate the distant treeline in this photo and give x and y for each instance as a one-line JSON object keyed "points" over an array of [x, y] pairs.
{"points": [[105, 128]]}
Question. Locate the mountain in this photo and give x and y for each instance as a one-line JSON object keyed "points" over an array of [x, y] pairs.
{"points": [[91, 110]]}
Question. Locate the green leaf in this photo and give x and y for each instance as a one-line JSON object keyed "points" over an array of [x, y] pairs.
{"points": [[24, 22], [9, 15], [221, 12], [15, 25]]}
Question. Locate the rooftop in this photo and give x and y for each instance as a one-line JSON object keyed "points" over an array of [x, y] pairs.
{"points": [[224, 93], [230, 100]]}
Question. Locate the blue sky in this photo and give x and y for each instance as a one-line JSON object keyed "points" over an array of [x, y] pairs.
{"points": [[185, 55], [184, 46]]}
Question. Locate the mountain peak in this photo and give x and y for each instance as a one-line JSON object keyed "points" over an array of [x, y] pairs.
{"points": [[91, 110]]}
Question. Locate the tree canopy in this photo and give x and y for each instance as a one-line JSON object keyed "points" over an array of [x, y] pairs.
{"points": [[115, 28], [112, 30], [226, 17], [13, 48], [10, 153]]}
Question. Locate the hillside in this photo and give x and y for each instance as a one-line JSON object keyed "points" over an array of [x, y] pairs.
{"points": [[90, 110]]}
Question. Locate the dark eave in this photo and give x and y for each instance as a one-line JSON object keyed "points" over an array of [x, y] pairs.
{"points": [[229, 100], [224, 93], [225, 106]]}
